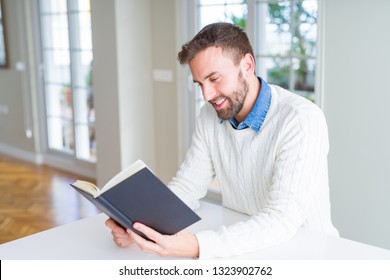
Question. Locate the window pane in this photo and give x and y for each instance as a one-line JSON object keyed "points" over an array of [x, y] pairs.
{"points": [[273, 28], [60, 134], [57, 68], [274, 70], [220, 2], [234, 13], [86, 142], [85, 111], [79, 5], [305, 33], [82, 73], [59, 102], [304, 74], [82, 36], [286, 35], [55, 31], [53, 6]]}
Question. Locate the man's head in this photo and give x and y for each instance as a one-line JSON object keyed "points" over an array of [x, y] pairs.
{"points": [[230, 38], [221, 61]]}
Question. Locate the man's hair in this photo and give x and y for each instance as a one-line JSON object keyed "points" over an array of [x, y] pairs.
{"points": [[227, 36]]}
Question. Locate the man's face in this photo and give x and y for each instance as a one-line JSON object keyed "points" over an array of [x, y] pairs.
{"points": [[222, 83]]}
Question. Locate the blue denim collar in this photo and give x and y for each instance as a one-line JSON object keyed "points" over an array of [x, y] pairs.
{"points": [[256, 117]]}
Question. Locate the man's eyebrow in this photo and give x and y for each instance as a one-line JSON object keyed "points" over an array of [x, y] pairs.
{"points": [[206, 77]]}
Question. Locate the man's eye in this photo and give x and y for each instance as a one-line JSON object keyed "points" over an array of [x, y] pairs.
{"points": [[214, 79]]}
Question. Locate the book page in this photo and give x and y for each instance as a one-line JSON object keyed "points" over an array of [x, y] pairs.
{"points": [[125, 173], [87, 187]]}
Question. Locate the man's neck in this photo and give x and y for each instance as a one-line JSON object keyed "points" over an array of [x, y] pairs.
{"points": [[250, 100]]}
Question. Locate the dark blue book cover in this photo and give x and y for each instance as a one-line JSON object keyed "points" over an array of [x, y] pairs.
{"points": [[143, 197]]}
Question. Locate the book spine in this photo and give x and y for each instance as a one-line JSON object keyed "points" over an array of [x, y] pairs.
{"points": [[117, 215], [114, 213]]}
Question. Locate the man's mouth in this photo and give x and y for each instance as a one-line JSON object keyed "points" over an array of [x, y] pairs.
{"points": [[218, 104]]}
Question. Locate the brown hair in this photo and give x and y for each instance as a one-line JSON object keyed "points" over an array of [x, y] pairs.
{"points": [[225, 35]]}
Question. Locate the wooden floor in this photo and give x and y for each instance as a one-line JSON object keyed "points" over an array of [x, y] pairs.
{"points": [[35, 198]]}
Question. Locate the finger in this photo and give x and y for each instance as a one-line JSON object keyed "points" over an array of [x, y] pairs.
{"points": [[110, 223], [122, 239], [123, 242], [120, 234], [145, 245], [149, 232]]}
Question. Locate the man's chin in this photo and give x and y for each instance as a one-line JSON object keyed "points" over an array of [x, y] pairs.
{"points": [[224, 115]]}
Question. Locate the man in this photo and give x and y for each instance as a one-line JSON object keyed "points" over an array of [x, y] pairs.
{"points": [[267, 147]]}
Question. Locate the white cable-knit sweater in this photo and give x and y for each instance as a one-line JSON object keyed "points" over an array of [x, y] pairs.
{"points": [[278, 176]]}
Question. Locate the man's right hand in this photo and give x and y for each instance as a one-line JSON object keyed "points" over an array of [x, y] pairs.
{"points": [[120, 236]]}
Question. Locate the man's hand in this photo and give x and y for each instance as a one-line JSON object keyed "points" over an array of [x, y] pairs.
{"points": [[120, 236], [181, 244]]}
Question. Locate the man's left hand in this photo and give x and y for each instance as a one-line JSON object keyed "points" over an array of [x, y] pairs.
{"points": [[181, 244]]}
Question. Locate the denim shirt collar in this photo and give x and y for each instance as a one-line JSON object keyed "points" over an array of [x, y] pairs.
{"points": [[256, 117]]}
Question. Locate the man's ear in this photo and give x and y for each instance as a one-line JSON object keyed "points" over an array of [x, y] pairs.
{"points": [[248, 65]]}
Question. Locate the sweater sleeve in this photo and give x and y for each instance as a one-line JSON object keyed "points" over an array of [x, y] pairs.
{"points": [[301, 150], [196, 172]]}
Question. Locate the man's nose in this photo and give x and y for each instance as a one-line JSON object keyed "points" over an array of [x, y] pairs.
{"points": [[208, 92]]}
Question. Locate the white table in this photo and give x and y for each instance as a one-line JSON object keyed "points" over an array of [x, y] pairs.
{"points": [[90, 239]]}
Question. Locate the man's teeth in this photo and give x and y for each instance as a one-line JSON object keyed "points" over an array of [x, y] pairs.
{"points": [[220, 101]]}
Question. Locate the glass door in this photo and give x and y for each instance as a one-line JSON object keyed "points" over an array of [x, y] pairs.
{"points": [[66, 41]]}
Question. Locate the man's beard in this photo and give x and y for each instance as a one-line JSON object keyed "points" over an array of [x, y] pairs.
{"points": [[235, 101]]}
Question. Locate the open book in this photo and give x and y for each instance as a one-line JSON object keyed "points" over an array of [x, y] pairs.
{"points": [[137, 195]]}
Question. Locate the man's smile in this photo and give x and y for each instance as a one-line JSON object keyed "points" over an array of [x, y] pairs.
{"points": [[218, 103]]}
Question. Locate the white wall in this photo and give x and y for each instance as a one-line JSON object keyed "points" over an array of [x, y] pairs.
{"points": [[357, 106], [13, 89], [165, 92], [122, 85]]}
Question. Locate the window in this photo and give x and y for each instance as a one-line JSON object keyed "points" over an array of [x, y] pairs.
{"points": [[3, 43], [66, 42], [285, 44], [283, 34], [234, 11]]}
